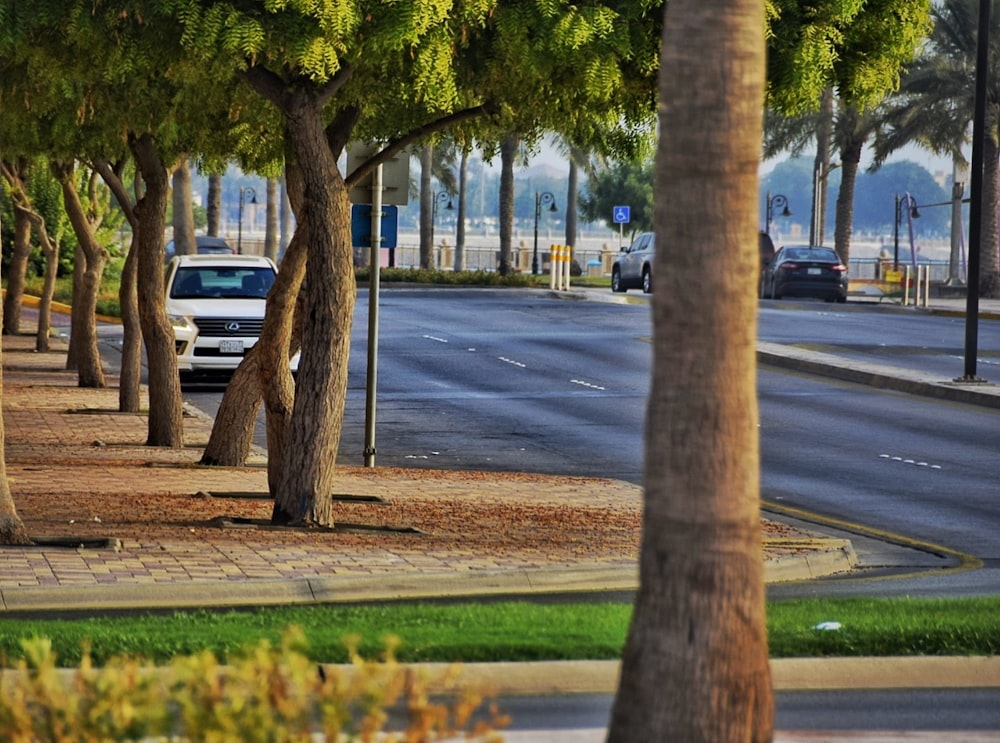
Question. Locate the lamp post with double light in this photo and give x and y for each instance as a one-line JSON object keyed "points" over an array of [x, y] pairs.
{"points": [[548, 200], [244, 190], [777, 201]]}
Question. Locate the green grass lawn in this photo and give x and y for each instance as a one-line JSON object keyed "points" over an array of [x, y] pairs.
{"points": [[515, 630]]}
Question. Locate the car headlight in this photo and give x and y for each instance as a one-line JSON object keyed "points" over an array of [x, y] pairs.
{"points": [[180, 322]]}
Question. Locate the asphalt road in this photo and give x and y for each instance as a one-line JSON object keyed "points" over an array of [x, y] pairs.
{"points": [[519, 381]]}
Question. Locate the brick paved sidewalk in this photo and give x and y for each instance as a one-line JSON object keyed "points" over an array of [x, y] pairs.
{"points": [[79, 471], [78, 468]]}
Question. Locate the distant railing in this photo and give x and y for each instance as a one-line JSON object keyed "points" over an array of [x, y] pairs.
{"points": [[873, 269]]}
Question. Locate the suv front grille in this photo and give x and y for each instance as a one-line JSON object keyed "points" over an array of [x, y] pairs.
{"points": [[217, 327]]}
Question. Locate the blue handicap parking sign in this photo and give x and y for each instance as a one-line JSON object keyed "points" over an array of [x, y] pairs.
{"points": [[622, 215]]}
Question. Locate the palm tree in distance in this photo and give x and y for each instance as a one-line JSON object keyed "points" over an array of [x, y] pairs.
{"points": [[934, 105], [850, 130]]}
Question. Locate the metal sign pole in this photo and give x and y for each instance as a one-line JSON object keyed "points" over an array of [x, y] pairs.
{"points": [[373, 292]]}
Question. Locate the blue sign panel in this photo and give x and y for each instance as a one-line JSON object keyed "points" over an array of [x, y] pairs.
{"points": [[361, 226], [622, 214]]}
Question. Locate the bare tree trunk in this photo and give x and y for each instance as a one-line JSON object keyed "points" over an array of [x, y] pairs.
{"points": [[572, 193], [695, 666], [50, 251], [74, 316], [91, 257], [165, 426], [850, 156], [213, 209], [233, 428], [12, 530], [130, 379], [821, 169], [989, 278], [427, 207], [17, 273], [508, 150], [463, 184], [305, 489], [184, 241]]}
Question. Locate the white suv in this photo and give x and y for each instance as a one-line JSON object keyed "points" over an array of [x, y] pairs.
{"points": [[216, 306]]}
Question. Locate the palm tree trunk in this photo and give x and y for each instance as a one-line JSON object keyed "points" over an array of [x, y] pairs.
{"points": [[695, 666]]}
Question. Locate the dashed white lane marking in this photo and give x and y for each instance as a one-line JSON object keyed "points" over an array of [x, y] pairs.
{"points": [[914, 462], [588, 385], [518, 364], [435, 338]]}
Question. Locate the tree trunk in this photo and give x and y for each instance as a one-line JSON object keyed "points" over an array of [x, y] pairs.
{"points": [[12, 530], [130, 378], [17, 273], [850, 156], [305, 490], [508, 150], [233, 428], [821, 169], [184, 242], [463, 187], [91, 257], [50, 251], [572, 192], [165, 426], [75, 318], [989, 278], [427, 206], [214, 206], [695, 666]]}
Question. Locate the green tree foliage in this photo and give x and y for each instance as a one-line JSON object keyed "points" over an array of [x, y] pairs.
{"points": [[623, 183], [858, 48]]}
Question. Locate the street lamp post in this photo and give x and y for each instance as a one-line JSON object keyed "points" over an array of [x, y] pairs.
{"points": [[776, 201], [547, 199], [911, 206], [444, 198], [244, 190]]}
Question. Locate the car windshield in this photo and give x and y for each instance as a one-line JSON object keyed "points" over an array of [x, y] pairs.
{"points": [[221, 281], [812, 254]]}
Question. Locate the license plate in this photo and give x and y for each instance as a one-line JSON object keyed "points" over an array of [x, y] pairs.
{"points": [[230, 346], [815, 271]]}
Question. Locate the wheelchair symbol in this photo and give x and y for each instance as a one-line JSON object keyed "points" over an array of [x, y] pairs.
{"points": [[621, 214]]}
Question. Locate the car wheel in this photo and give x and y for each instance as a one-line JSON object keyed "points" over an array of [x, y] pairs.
{"points": [[616, 280], [842, 300], [647, 281]]}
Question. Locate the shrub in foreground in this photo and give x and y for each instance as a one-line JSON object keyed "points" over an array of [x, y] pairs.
{"points": [[265, 693]]}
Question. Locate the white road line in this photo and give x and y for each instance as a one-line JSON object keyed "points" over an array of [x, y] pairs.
{"points": [[518, 364], [914, 462], [435, 338], [588, 385]]}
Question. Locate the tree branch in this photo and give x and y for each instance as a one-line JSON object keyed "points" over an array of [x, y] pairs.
{"points": [[394, 146]]}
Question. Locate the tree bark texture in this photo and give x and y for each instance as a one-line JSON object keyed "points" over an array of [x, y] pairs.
{"points": [[213, 209], [271, 220], [50, 251], [695, 666], [165, 413], [427, 206], [233, 428], [92, 257], [305, 491], [12, 530], [989, 278], [16, 273], [508, 151], [184, 241], [850, 157], [130, 377]]}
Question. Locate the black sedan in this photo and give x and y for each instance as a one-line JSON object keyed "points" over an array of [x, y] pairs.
{"points": [[805, 271]]}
